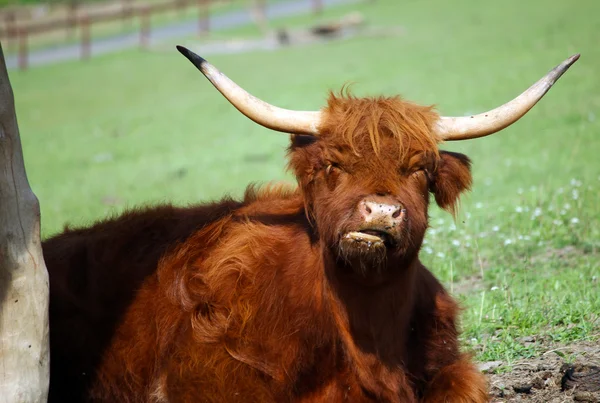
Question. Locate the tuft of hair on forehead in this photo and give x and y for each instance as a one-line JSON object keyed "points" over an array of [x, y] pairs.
{"points": [[360, 122]]}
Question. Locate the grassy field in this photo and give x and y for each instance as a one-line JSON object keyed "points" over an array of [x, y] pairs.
{"points": [[523, 254]]}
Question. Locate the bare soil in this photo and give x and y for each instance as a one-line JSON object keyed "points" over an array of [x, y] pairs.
{"points": [[561, 374]]}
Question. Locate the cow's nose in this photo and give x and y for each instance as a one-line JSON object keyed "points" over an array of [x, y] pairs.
{"points": [[378, 212]]}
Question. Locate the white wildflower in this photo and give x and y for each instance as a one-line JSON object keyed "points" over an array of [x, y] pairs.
{"points": [[482, 234], [519, 209], [575, 194], [508, 241], [428, 250], [494, 288], [557, 222], [563, 212], [527, 238], [440, 254], [496, 228], [537, 212], [560, 190], [478, 205], [520, 191], [567, 206], [532, 189], [574, 220], [456, 242]]}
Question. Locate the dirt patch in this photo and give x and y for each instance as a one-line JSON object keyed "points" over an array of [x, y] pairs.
{"points": [[563, 374], [467, 285], [554, 254]]}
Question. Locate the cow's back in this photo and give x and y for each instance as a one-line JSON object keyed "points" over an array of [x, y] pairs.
{"points": [[94, 275]]}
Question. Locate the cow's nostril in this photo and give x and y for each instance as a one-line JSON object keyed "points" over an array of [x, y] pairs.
{"points": [[368, 209], [397, 213]]}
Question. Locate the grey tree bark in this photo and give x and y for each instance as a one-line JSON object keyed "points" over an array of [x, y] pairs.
{"points": [[24, 334]]}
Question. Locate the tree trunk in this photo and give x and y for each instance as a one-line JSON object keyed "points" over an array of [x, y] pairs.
{"points": [[24, 335]]}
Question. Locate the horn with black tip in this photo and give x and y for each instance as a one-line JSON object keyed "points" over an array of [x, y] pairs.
{"points": [[267, 115]]}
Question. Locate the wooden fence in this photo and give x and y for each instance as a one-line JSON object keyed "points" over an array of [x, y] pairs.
{"points": [[12, 32]]}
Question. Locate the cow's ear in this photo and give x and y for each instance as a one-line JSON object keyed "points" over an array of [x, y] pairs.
{"points": [[450, 179]]}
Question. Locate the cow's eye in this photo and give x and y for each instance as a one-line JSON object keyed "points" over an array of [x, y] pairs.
{"points": [[420, 175], [332, 168], [418, 172]]}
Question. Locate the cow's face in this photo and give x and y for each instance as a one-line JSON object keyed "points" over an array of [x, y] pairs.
{"points": [[367, 164], [366, 180]]}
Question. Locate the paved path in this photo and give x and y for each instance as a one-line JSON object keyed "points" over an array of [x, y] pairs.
{"points": [[176, 30]]}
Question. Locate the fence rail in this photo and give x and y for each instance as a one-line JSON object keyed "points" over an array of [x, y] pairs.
{"points": [[12, 33]]}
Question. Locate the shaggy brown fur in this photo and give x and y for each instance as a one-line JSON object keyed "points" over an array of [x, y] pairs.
{"points": [[269, 299]]}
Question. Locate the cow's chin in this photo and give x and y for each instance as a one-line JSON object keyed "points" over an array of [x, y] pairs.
{"points": [[365, 252]]}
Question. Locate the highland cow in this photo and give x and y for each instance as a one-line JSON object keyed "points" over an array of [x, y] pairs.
{"points": [[312, 293]]}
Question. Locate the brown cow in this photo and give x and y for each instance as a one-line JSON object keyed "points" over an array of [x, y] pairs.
{"points": [[308, 294]]}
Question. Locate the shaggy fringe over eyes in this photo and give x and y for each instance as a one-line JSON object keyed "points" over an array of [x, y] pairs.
{"points": [[350, 117]]}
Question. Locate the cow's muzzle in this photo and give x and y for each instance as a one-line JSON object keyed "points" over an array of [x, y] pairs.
{"points": [[381, 223]]}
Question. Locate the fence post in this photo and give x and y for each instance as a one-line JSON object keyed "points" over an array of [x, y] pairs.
{"points": [[203, 16], [145, 27], [317, 6], [85, 37], [258, 11], [23, 51], [182, 5], [10, 30], [71, 24], [126, 12]]}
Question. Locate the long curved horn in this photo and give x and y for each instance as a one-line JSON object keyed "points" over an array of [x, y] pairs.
{"points": [[269, 116], [470, 127]]}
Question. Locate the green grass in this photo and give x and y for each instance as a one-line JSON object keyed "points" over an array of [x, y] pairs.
{"points": [[139, 127]]}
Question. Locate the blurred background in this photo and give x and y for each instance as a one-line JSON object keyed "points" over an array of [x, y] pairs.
{"points": [[112, 117]]}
